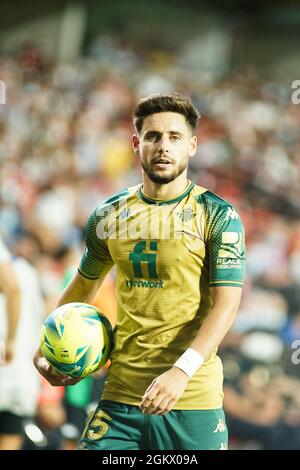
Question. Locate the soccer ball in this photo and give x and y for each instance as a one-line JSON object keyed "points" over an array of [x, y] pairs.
{"points": [[76, 339]]}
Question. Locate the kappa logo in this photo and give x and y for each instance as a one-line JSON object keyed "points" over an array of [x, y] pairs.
{"points": [[186, 214], [231, 214], [223, 446], [220, 426]]}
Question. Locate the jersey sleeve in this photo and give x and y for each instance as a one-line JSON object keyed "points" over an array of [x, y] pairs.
{"points": [[225, 246], [96, 261]]}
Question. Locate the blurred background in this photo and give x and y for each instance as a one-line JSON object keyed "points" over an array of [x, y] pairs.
{"points": [[73, 71]]}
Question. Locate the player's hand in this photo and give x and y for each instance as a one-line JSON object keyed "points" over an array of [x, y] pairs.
{"points": [[49, 373], [162, 394]]}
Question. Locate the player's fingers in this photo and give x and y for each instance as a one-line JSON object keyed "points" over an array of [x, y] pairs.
{"points": [[54, 378], [158, 406], [166, 408], [150, 388], [149, 396], [62, 382], [154, 405], [146, 405], [72, 381]]}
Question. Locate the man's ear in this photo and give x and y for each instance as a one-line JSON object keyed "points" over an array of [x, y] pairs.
{"points": [[193, 146], [136, 144]]}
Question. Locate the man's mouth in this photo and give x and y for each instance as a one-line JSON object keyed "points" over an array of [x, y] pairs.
{"points": [[162, 162]]}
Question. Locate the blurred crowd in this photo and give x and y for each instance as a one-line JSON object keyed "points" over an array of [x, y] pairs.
{"points": [[65, 143]]}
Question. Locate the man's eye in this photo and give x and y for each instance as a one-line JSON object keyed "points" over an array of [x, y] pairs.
{"points": [[152, 138], [175, 137]]}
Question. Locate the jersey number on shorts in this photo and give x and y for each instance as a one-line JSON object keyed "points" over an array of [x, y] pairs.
{"points": [[96, 427]]}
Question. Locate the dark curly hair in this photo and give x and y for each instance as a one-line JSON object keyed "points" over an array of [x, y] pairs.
{"points": [[159, 103]]}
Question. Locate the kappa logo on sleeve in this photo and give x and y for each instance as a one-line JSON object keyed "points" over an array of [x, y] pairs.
{"points": [[231, 214]]}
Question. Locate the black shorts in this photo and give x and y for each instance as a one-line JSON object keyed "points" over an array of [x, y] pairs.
{"points": [[10, 423]]}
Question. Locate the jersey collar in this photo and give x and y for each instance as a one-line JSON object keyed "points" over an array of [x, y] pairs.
{"points": [[159, 202]]}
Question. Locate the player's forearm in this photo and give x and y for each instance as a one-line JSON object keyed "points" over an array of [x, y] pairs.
{"points": [[226, 301], [213, 330], [80, 289], [218, 321]]}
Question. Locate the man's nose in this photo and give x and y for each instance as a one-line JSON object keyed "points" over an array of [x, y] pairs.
{"points": [[164, 144]]}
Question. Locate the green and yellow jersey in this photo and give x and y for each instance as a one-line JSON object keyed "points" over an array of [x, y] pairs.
{"points": [[167, 256]]}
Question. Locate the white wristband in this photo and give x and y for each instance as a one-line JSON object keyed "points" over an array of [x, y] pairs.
{"points": [[189, 362]]}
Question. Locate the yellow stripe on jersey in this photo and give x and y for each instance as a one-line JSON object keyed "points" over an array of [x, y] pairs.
{"points": [[227, 282]]}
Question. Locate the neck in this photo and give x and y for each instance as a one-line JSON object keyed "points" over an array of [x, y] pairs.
{"points": [[165, 191]]}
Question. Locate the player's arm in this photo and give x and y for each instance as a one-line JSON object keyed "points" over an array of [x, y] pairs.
{"points": [[80, 289], [95, 263], [166, 389], [11, 291], [226, 301]]}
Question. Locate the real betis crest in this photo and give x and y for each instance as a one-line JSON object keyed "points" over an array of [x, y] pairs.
{"points": [[186, 214]]}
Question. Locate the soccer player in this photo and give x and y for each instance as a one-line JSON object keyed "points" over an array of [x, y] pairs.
{"points": [[179, 256]]}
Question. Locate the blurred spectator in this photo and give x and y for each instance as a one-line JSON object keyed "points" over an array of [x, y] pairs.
{"points": [[19, 381], [262, 406], [50, 416]]}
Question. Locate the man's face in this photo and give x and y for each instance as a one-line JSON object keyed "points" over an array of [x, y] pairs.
{"points": [[164, 146]]}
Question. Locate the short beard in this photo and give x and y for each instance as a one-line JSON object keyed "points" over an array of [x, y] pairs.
{"points": [[161, 179]]}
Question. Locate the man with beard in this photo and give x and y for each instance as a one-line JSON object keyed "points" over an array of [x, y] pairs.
{"points": [[179, 256]]}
